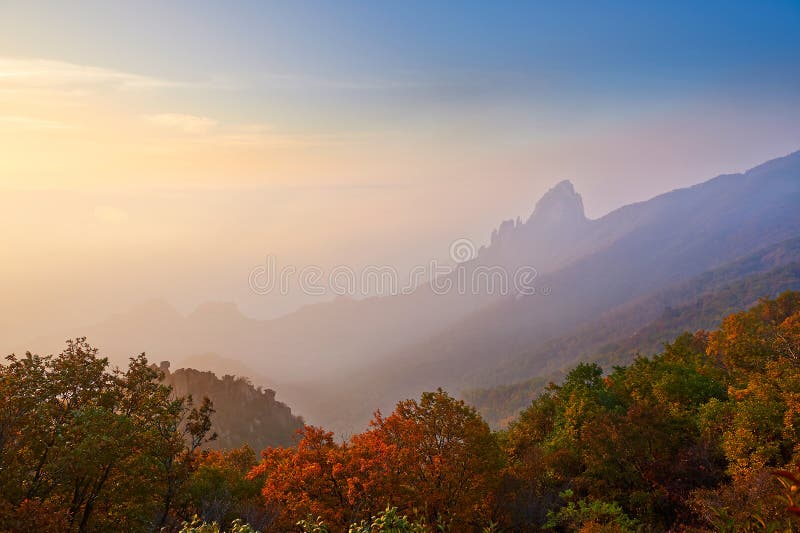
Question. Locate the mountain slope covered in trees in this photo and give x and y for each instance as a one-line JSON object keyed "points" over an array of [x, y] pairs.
{"points": [[614, 260], [244, 414], [369, 353], [644, 325], [701, 437], [647, 246]]}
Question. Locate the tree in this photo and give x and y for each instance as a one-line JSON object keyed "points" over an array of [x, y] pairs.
{"points": [[307, 480], [219, 490], [435, 459], [84, 441], [445, 460]]}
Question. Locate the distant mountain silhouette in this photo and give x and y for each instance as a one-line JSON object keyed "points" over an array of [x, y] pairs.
{"points": [[372, 352], [607, 262], [551, 236]]}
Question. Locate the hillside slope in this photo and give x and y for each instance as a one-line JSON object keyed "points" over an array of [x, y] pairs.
{"points": [[244, 414], [642, 327], [645, 247], [375, 351]]}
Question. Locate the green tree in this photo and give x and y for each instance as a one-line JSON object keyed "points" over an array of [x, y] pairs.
{"points": [[87, 441]]}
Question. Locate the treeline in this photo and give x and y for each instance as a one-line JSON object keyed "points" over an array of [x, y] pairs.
{"points": [[689, 439], [702, 437]]}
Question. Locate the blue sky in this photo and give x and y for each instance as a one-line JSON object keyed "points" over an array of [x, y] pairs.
{"points": [[373, 55]]}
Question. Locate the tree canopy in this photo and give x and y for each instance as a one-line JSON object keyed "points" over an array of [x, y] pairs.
{"points": [[704, 436]]}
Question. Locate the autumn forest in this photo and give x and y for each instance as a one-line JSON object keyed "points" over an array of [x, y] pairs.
{"points": [[700, 437], [399, 267]]}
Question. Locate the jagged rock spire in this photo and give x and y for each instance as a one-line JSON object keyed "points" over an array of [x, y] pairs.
{"points": [[561, 204]]}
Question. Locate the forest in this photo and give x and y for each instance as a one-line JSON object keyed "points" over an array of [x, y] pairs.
{"points": [[700, 437]]}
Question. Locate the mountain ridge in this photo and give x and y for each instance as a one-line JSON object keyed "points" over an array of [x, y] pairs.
{"points": [[588, 266], [663, 241]]}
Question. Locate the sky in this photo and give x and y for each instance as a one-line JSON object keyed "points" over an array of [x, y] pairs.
{"points": [[161, 149]]}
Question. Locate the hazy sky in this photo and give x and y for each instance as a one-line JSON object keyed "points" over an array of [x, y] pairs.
{"points": [[160, 149]]}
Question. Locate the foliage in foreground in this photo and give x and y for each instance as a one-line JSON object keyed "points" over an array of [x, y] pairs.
{"points": [[703, 437], [435, 457], [84, 447], [687, 439]]}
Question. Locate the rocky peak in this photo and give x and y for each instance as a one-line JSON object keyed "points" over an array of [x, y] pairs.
{"points": [[559, 205], [507, 227], [561, 208]]}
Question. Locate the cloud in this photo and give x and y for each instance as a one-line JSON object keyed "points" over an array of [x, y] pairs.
{"points": [[30, 123], [185, 123], [209, 131], [49, 73]]}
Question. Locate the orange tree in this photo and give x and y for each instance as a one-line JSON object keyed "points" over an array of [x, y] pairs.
{"points": [[445, 461], [306, 480], [435, 459]]}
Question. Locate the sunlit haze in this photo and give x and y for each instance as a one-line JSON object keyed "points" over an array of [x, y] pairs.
{"points": [[158, 150], [364, 266]]}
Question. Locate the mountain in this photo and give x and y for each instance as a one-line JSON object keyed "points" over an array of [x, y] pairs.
{"points": [[312, 344], [244, 413], [648, 321], [607, 262], [335, 338], [644, 325], [332, 359], [549, 238]]}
